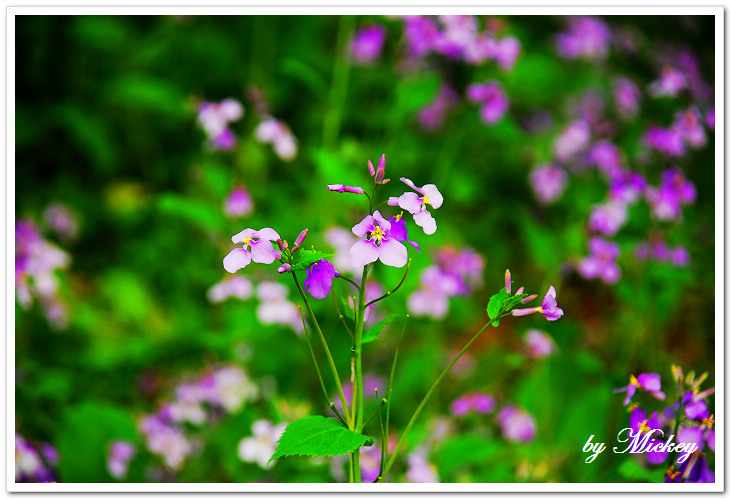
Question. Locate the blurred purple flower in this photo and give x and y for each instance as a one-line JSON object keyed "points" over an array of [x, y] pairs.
{"points": [[419, 470], [573, 139], [376, 243], [656, 249], [275, 308], [214, 119], [238, 203], [539, 344], [607, 157], [367, 44], [505, 51], [602, 261], [259, 447], [586, 38], [417, 206], [548, 183], [664, 140], [165, 440], [710, 118], [627, 187], [516, 424], [627, 96], [608, 218], [120, 453], [62, 221], [492, 97], [422, 35], [673, 192], [278, 134], [669, 84], [256, 246], [341, 240], [688, 124], [432, 117], [234, 286], [319, 279], [649, 382], [472, 402]]}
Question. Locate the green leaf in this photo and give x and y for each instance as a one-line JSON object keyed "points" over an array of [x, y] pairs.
{"points": [[374, 332], [304, 258], [318, 436], [496, 303], [346, 308]]}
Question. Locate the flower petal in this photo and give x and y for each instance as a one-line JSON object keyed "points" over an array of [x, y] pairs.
{"points": [[263, 252], [411, 184], [393, 201], [363, 252], [364, 227], [267, 234], [238, 238], [393, 253], [434, 196], [382, 222], [426, 221], [236, 259], [410, 202]]}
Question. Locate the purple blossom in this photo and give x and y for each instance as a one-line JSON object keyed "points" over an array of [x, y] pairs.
{"points": [[472, 402], [62, 221], [278, 134], [492, 97], [608, 218], [669, 84], [710, 118], [238, 203], [673, 192], [573, 139], [367, 44], [432, 116], [399, 231], [376, 243], [649, 382], [505, 51], [341, 239], [607, 157], [516, 424], [338, 187], [319, 279], [627, 96], [165, 440], [586, 38], [549, 307], [256, 246], [658, 250], [666, 141], [120, 453], [539, 344], [233, 286], [411, 202], [436, 287], [421, 33], [419, 470], [689, 125], [627, 187], [602, 261], [275, 308], [214, 119], [548, 182]]}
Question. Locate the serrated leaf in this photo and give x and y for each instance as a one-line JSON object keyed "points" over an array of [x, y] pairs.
{"points": [[318, 436], [496, 302], [374, 332], [304, 258]]}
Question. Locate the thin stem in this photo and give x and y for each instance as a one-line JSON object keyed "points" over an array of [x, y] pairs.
{"points": [[314, 358], [396, 287], [351, 281], [392, 458], [331, 361], [337, 412], [383, 435], [389, 393], [375, 412], [342, 317]]}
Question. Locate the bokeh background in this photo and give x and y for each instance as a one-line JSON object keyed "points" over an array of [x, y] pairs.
{"points": [[138, 360]]}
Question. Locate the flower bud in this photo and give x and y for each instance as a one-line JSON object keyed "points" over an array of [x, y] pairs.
{"points": [[280, 245], [507, 281], [371, 168], [380, 173], [520, 291], [526, 311], [300, 239], [284, 268], [529, 298]]}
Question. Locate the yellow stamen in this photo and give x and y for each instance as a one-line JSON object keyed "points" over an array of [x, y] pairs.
{"points": [[246, 239], [709, 421], [425, 199], [644, 427], [398, 216], [633, 380], [377, 234]]}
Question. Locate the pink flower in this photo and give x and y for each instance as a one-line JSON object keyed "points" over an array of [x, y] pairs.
{"points": [[417, 206], [548, 183], [256, 246], [517, 425], [539, 344], [376, 243], [238, 203]]}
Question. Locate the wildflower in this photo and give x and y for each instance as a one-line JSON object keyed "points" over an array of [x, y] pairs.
{"points": [[436, 287], [236, 286], [275, 308], [214, 118], [548, 182], [493, 99], [549, 307], [342, 239], [419, 469], [586, 38], [421, 34], [607, 157], [474, 401], [649, 382], [120, 452], [667, 141], [694, 469], [627, 97], [688, 124], [261, 445], [338, 187], [278, 134], [710, 118], [674, 191], [411, 202], [573, 139], [62, 221], [432, 117], [319, 279], [29, 466], [256, 246], [230, 388], [608, 218], [367, 44], [627, 187], [538, 343], [165, 440], [399, 231], [505, 51], [669, 84], [516, 424], [376, 243], [602, 261], [238, 203]]}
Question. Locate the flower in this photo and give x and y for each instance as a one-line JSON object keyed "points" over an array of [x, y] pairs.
{"points": [[62, 221], [260, 447], [411, 202], [649, 382], [664, 140], [669, 84], [516, 424], [367, 44], [573, 139], [165, 440], [586, 38], [214, 118], [549, 307], [548, 183], [432, 117], [602, 261], [319, 279], [238, 203], [376, 243], [341, 240], [419, 469], [474, 401], [275, 308], [688, 124], [539, 344], [674, 191], [338, 187], [607, 157], [608, 218], [627, 97], [120, 452], [399, 231], [505, 51], [278, 134], [235, 286], [260, 249], [492, 97]]}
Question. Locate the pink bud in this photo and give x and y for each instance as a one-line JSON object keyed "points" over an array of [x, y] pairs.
{"points": [[371, 168], [284, 268], [529, 298], [526, 311], [507, 281], [300, 239], [380, 174], [280, 245], [520, 291]]}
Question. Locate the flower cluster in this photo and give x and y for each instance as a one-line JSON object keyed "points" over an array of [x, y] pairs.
{"points": [[492, 99], [214, 118], [367, 44], [118, 457], [222, 391], [602, 261], [657, 250], [586, 38], [34, 463], [432, 116], [278, 134], [36, 262]]}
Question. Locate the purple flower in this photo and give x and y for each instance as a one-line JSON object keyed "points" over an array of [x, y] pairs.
{"points": [[516, 424], [694, 469], [338, 187], [399, 231], [549, 307], [256, 246], [376, 243], [421, 33], [674, 191], [627, 187], [411, 202], [608, 218], [367, 44], [539, 344], [432, 116], [649, 382], [234, 286], [275, 308], [710, 118], [474, 401], [238, 203], [548, 182], [214, 118], [602, 261], [504, 51], [667, 141], [658, 250], [278, 134], [120, 452], [492, 97], [341, 239], [573, 139], [607, 157], [688, 124], [419, 470], [62, 221], [319, 279], [627, 97], [586, 38], [670, 83]]}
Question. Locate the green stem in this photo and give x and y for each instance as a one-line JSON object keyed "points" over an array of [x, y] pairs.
{"points": [[331, 361], [350, 280], [398, 447], [389, 398], [396, 287]]}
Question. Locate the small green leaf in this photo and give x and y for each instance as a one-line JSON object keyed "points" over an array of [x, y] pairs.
{"points": [[318, 436], [496, 302], [304, 258], [346, 308], [374, 332]]}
